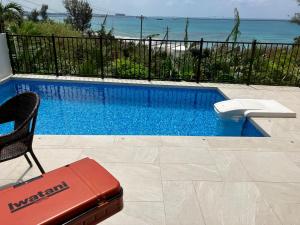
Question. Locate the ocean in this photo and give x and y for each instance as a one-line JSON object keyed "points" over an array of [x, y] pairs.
{"points": [[281, 31]]}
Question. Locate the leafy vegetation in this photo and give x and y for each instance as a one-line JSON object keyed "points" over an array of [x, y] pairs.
{"points": [[102, 32], [44, 13], [44, 28], [34, 15], [126, 68], [39, 15], [235, 33], [296, 17], [79, 14], [186, 32], [10, 13]]}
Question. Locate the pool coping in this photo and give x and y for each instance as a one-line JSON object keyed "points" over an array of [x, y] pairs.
{"points": [[173, 84], [5, 79]]}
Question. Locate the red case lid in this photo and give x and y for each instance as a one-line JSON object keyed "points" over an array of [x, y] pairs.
{"points": [[58, 195]]}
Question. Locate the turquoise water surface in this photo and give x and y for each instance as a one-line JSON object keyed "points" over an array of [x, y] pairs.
{"points": [[209, 29], [103, 109]]}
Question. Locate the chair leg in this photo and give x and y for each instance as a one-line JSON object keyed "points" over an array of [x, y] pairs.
{"points": [[37, 162], [28, 160]]}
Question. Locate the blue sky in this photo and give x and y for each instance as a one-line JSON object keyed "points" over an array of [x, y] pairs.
{"points": [[281, 9]]}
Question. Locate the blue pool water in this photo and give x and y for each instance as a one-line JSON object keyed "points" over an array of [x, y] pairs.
{"points": [[103, 109]]}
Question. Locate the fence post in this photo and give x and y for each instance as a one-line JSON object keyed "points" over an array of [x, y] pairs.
{"points": [[10, 54], [150, 59], [55, 55], [199, 61], [253, 49], [101, 57]]}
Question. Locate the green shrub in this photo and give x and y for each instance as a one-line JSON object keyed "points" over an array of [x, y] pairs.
{"points": [[126, 68], [44, 28]]}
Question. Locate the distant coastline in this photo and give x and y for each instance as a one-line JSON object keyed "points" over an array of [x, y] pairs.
{"points": [[175, 17]]}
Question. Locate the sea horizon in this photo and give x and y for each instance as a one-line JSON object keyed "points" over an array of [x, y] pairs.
{"points": [[179, 17]]}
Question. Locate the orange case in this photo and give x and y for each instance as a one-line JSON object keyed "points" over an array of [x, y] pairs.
{"points": [[82, 193]]}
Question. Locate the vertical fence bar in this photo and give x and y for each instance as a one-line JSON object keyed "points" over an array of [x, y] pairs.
{"points": [[144, 60], [134, 60], [101, 57], [199, 61], [10, 53], [20, 61], [251, 61], [150, 59], [120, 59], [26, 53], [55, 55]]}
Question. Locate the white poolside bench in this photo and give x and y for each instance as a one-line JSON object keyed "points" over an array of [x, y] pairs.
{"points": [[252, 108]]}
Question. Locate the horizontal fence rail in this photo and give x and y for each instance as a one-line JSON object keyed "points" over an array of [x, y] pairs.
{"points": [[151, 59]]}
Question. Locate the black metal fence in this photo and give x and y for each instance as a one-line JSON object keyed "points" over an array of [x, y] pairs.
{"points": [[150, 59]]}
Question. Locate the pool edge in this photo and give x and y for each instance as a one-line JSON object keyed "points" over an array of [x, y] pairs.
{"points": [[143, 83]]}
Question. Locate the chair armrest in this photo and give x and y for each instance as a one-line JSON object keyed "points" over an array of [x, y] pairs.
{"points": [[5, 114], [14, 136], [7, 139]]}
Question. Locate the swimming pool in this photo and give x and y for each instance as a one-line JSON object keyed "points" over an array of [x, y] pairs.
{"points": [[69, 108]]}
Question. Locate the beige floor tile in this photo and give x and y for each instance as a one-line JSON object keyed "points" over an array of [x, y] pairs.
{"points": [[6, 183], [50, 159], [289, 214], [294, 156], [280, 144], [57, 153], [295, 136], [289, 124], [233, 204], [280, 193], [139, 213], [185, 155], [41, 141], [141, 182], [284, 198], [293, 106], [270, 166], [138, 141], [123, 154], [185, 142], [90, 141], [181, 205], [234, 143], [8, 167], [275, 127], [188, 172], [229, 166]]}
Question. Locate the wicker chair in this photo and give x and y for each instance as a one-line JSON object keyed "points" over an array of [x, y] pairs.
{"points": [[22, 110]]}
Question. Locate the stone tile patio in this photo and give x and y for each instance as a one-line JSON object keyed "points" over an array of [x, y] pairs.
{"points": [[193, 180]]}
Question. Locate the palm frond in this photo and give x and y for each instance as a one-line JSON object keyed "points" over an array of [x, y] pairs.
{"points": [[13, 6], [235, 32]]}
